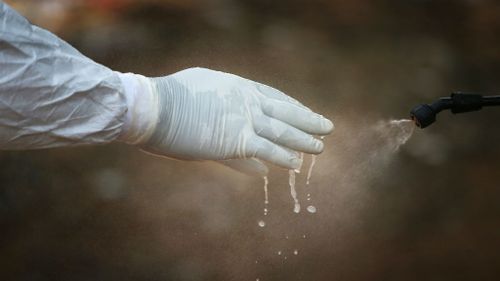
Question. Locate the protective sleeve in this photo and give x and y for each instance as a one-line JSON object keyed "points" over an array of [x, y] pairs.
{"points": [[50, 94]]}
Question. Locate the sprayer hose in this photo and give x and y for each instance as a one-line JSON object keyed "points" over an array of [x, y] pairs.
{"points": [[491, 101]]}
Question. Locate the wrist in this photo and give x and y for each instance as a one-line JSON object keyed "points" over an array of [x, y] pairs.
{"points": [[142, 108]]}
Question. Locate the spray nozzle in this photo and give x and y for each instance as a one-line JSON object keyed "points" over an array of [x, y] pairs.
{"points": [[425, 114]]}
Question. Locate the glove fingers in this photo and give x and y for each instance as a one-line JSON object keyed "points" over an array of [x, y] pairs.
{"points": [[249, 166], [266, 150], [286, 135], [298, 117], [273, 93]]}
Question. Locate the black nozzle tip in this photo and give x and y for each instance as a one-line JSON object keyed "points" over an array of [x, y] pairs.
{"points": [[423, 115]]}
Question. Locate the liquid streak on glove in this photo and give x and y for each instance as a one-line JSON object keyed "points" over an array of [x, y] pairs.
{"points": [[201, 114]]}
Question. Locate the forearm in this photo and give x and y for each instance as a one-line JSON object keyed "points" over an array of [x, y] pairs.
{"points": [[50, 94]]}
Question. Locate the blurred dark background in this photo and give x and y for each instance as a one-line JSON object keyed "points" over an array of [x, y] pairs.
{"points": [[429, 212]]}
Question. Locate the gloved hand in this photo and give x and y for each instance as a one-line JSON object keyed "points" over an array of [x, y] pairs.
{"points": [[201, 114]]}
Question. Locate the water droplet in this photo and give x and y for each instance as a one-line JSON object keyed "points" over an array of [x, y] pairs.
{"points": [[304, 236], [311, 166], [311, 209], [266, 197], [301, 161], [296, 252], [262, 223], [279, 253], [296, 208], [293, 192]]}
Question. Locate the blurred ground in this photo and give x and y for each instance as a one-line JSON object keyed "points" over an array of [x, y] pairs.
{"points": [[431, 212]]}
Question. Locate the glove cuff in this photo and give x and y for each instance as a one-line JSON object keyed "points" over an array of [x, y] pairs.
{"points": [[142, 114]]}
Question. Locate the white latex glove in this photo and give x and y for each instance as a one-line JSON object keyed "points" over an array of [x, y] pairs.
{"points": [[201, 114]]}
